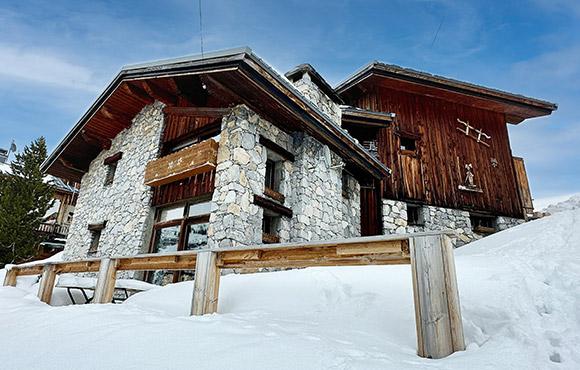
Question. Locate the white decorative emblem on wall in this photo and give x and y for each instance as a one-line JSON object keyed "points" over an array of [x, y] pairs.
{"points": [[478, 135]]}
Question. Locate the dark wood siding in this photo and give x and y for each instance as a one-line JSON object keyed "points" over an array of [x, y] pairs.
{"points": [[443, 152], [184, 189], [371, 206]]}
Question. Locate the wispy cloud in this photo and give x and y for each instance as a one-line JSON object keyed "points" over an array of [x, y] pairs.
{"points": [[557, 68], [40, 66], [570, 7]]}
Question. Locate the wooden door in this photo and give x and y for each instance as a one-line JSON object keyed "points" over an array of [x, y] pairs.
{"points": [[371, 209], [412, 173]]}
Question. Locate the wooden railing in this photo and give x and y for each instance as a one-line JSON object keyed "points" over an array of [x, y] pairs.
{"points": [[437, 310], [53, 228]]}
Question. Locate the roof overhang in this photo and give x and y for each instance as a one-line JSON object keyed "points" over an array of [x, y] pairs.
{"points": [[236, 73], [516, 107]]}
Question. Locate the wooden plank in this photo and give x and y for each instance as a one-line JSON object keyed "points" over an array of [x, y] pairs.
{"points": [[185, 163], [206, 285], [29, 270], [105, 287], [456, 324], [137, 93], [197, 111], [158, 262], [159, 93], [272, 205], [11, 277], [435, 331], [47, 283], [96, 140], [113, 158], [523, 186], [77, 266], [368, 260], [395, 246], [416, 298], [274, 194]]}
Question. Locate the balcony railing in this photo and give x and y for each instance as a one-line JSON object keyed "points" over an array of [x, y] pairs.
{"points": [[185, 163], [53, 228]]}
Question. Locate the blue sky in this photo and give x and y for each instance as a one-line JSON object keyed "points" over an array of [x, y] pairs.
{"points": [[57, 56]]}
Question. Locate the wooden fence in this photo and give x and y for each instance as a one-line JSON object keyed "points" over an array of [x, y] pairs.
{"points": [[437, 310]]}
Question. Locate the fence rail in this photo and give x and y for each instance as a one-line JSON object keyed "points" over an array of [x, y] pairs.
{"points": [[430, 254]]}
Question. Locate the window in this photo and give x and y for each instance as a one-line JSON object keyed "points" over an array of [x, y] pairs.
{"points": [[179, 227], [345, 187], [482, 223], [95, 230], [110, 173], [95, 238], [415, 215], [111, 163], [270, 227], [408, 144]]}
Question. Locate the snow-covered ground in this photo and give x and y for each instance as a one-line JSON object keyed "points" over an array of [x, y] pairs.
{"points": [[519, 291]]}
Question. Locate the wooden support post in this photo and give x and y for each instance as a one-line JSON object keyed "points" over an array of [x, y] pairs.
{"points": [[10, 278], [437, 311], [105, 287], [47, 283], [206, 285]]}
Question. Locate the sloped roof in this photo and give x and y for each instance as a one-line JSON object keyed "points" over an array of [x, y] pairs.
{"points": [[238, 72], [516, 107]]}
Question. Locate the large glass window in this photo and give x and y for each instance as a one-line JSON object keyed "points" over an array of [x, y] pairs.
{"points": [[176, 228]]}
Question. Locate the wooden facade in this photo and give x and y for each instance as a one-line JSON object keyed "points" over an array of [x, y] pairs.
{"points": [[434, 170]]}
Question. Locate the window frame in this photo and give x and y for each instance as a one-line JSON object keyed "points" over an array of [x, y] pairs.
{"points": [[184, 222]]}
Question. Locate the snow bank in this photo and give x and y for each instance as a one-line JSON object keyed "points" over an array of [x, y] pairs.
{"points": [[569, 204], [519, 291]]}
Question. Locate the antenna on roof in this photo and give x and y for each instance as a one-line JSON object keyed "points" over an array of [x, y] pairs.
{"points": [[200, 30]]}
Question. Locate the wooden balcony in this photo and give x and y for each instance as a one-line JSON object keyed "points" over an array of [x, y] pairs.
{"points": [[185, 163]]}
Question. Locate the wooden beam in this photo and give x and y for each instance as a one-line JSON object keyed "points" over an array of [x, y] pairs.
{"points": [[272, 206], [113, 158], [158, 262], [270, 145], [105, 287], [96, 140], [197, 111], [206, 285], [68, 164], [439, 333], [11, 277], [159, 93], [219, 91], [77, 266], [47, 283], [114, 115], [457, 336], [137, 93]]}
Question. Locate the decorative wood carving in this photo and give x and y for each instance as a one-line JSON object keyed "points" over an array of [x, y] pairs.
{"points": [[479, 133]]}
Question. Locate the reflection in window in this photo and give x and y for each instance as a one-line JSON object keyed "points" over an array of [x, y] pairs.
{"points": [[177, 228], [166, 239], [196, 236]]}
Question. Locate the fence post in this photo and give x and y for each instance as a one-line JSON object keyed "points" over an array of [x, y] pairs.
{"points": [[105, 288], [11, 276], [206, 284], [47, 283], [437, 310]]}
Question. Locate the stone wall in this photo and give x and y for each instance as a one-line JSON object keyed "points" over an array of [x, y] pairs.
{"points": [[351, 208], [124, 204], [316, 191], [436, 218], [240, 174], [311, 185], [316, 96]]}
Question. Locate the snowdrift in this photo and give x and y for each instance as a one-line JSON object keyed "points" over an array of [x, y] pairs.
{"points": [[519, 291]]}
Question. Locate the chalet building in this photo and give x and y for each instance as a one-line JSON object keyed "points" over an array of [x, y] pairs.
{"points": [[222, 151]]}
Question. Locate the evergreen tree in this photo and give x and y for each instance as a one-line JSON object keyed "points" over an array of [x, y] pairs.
{"points": [[24, 200]]}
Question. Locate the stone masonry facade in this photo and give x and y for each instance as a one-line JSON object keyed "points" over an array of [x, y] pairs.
{"points": [[316, 96], [125, 204], [436, 218], [311, 186]]}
